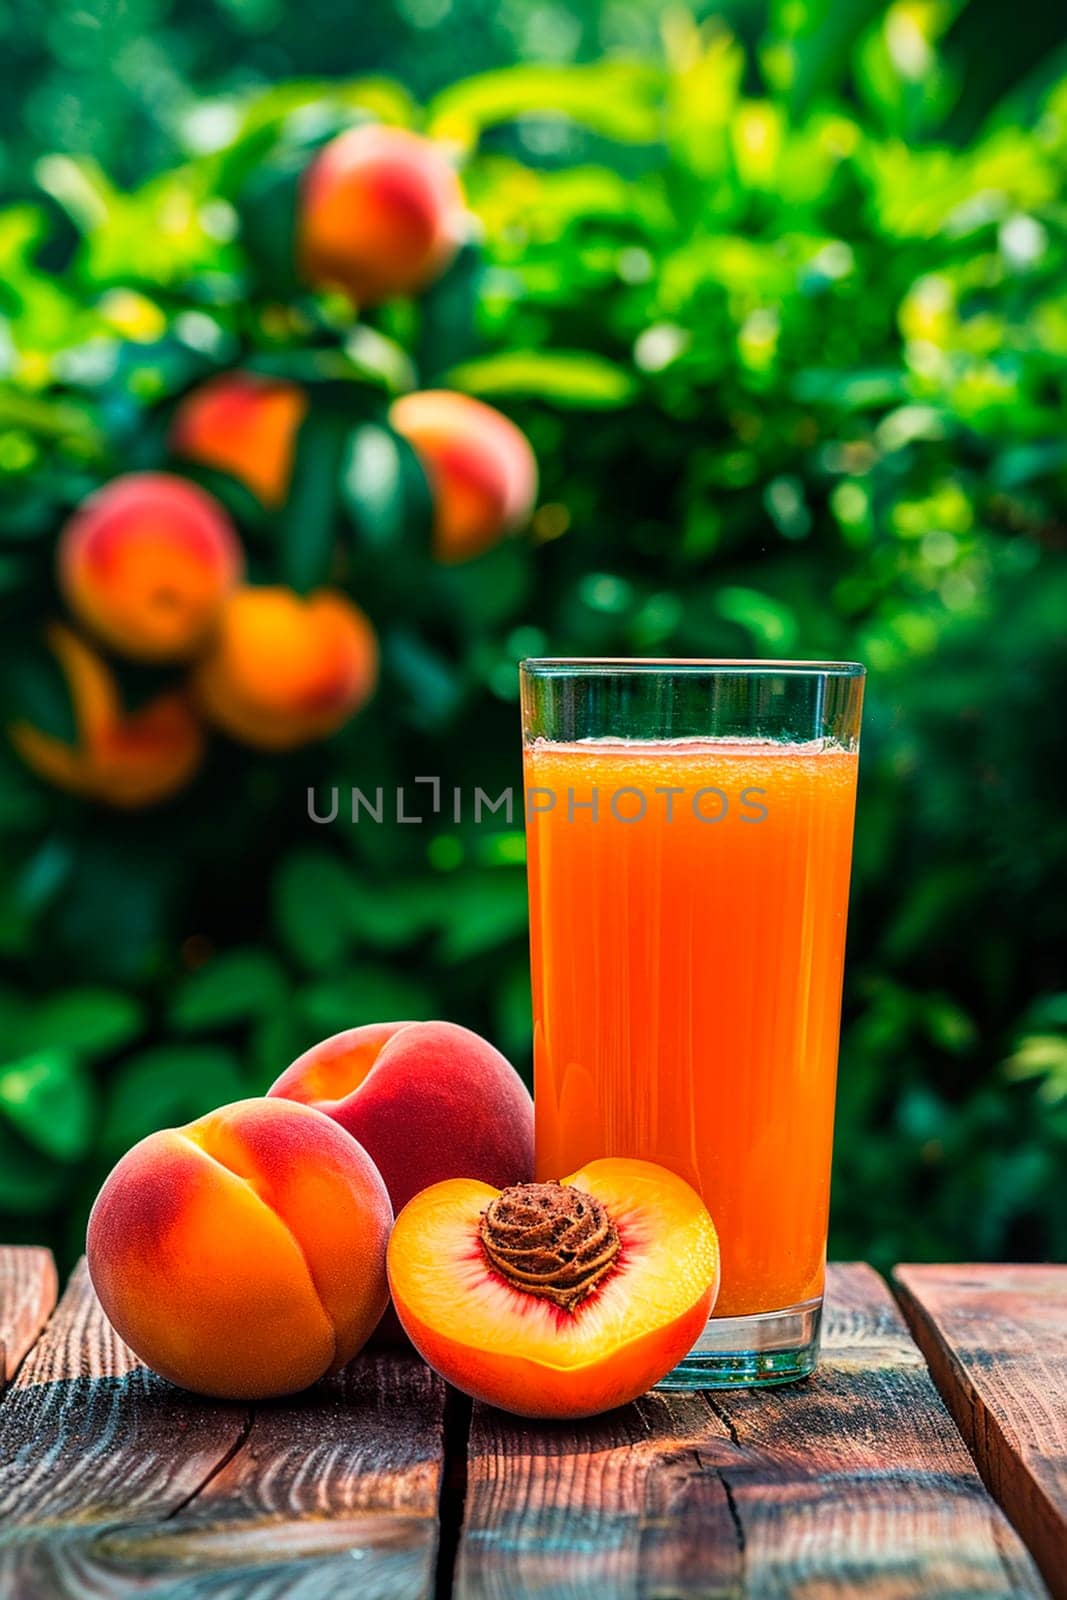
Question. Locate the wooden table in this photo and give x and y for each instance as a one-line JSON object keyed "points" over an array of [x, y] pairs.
{"points": [[379, 1483]]}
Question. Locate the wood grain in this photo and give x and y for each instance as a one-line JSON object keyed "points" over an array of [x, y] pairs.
{"points": [[28, 1289], [996, 1341], [332, 1493], [854, 1483], [114, 1483]]}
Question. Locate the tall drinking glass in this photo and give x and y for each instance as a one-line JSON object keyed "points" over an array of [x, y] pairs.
{"points": [[689, 837]]}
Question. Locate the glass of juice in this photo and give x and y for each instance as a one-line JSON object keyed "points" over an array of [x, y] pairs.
{"points": [[689, 839]]}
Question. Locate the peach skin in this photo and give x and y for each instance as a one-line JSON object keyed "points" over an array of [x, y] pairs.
{"points": [[427, 1100], [146, 562], [245, 425], [122, 758], [243, 1256], [481, 469], [381, 214], [556, 1299], [282, 670]]}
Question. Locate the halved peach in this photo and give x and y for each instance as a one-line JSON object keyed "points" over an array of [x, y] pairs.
{"points": [[556, 1299]]}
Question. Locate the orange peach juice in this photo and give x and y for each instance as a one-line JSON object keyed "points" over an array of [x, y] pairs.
{"points": [[687, 949]]}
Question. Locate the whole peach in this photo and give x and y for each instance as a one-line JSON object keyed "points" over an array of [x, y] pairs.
{"points": [[243, 1255], [282, 670], [481, 468], [427, 1100], [243, 424], [146, 562], [381, 214], [122, 758]]}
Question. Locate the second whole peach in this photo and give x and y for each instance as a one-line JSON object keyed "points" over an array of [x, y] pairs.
{"points": [[426, 1100]]}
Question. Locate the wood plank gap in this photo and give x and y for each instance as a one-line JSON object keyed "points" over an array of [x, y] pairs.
{"points": [[855, 1483], [995, 1338], [29, 1288], [452, 1508], [722, 1473]]}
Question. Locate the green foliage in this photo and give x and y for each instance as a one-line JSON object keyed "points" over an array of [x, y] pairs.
{"points": [[793, 364]]}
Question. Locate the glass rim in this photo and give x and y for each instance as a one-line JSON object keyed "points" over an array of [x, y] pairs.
{"points": [[684, 666]]}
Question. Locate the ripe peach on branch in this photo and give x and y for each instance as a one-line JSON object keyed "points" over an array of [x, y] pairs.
{"points": [[146, 563], [380, 214], [243, 424], [119, 757], [481, 468], [282, 670]]}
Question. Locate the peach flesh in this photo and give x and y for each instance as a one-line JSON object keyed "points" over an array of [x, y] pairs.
{"points": [[520, 1351]]}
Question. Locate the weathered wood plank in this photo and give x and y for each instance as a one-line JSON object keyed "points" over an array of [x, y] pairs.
{"points": [[856, 1482], [89, 1438], [28, 1289], [114, 1483], [996, 1341], [333, 1493]]}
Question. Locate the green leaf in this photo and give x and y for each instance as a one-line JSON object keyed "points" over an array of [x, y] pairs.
{"points": [[512, 1012], [619, 99], [1024, 463], [49, 418], [1047, 1011], [88, 1022], [822, 33], [48, 1098], [35, 690], [486, 910], [393, 915], [275, 1040], [367, 994], [267, 110], [448, 316], [947, 1024], [433, 687], [231, 987], [560, 377], [29, 1182], [771, 623], [852, 391], [267, 206], [308, 524], [380, 360], [385, 490], [112, 917], [165, 1087], [80, 186], [312, 909]]}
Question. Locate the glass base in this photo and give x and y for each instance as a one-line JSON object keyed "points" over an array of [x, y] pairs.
{"points": [[752, 1352]]}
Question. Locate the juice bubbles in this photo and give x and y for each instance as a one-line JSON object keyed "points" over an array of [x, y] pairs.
{"points": [[687, 942]]}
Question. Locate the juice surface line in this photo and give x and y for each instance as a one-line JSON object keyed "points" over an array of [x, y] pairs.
{"points": [[687, 950]]}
